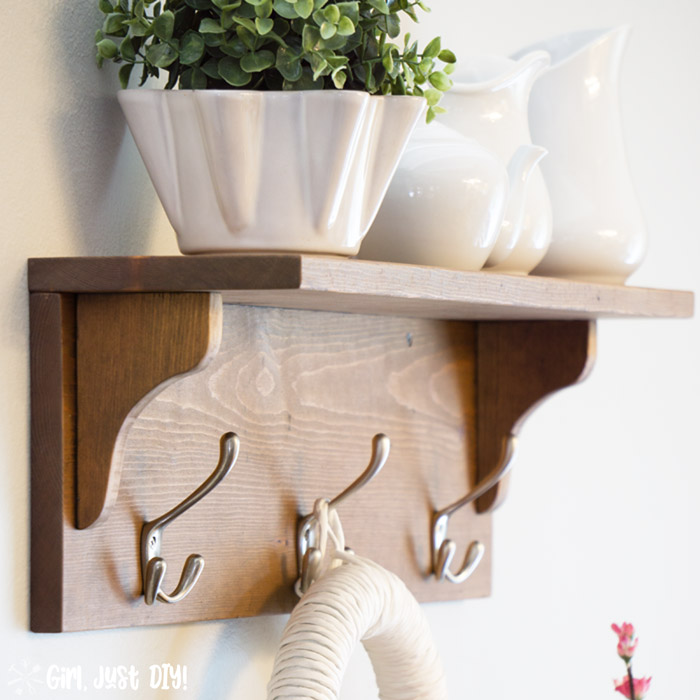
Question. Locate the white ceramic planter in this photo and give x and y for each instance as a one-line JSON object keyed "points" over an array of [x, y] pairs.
{"points": [[241, 170]]}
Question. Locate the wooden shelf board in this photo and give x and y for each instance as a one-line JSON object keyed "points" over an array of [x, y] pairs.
{"points": [[337, 284]]}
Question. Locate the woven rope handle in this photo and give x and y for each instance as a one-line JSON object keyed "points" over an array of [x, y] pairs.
{"points": [[358, 601]]}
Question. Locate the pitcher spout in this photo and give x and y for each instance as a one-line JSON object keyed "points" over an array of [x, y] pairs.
{"points": [[520, 169]]}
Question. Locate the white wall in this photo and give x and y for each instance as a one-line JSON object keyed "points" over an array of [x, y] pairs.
{"points": [[602, 522]]}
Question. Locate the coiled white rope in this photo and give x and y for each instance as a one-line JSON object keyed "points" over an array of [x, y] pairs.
{"points": [[355, 599]]}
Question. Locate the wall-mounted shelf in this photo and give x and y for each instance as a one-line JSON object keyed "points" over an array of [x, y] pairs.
{"points": [[138, 368]]}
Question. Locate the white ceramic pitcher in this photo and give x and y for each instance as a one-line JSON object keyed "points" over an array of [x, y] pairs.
{"points": [[599, 233], [489, 103]]}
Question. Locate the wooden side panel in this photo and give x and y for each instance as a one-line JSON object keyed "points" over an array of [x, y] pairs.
{"points": [[519, 363], [52, 336], [129, 345], [305, 391]]}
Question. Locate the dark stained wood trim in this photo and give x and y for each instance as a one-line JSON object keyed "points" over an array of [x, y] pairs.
{"points": [[129, 345], [52, 341], [176, 273], [518, 365]]}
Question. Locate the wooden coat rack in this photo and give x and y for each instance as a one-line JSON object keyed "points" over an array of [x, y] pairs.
{"points": [[140, 365]]}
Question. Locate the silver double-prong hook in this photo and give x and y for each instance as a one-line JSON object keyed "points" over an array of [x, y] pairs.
{"points": [[444, 549], [309, 556], [153, 566]]}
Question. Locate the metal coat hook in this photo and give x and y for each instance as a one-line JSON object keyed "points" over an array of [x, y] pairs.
{"points": [[308, 555], [153, 567], [444, 549]]}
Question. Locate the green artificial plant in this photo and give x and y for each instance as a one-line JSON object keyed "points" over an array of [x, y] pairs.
{"points": [[274, 45]]}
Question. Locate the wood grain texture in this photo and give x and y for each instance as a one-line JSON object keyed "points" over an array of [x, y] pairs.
{"points": [[359, 286], [305, 391], [129, 346], [52, 366], [519, 364]]}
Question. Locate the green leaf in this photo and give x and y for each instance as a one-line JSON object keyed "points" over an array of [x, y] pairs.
{"points": [[327, 30], [264, 25], [211, 69], [310, 38], [285, 9], [351, 10], [281, 27], [392, 25], [139, 27], [248, 38], [193, 79], [306, 82], [446, 56], [319, 65], [430, 115], [235, 47], [411, 13], [191, 48], [339, 77], [264, 10], [106, 6], [214, 40], [114, 23], [247, 24], [163, 25], [379, 5], [439, 80], [210, 26], [304, 8], [199, 79], [255, 3], [335, 43], [124, 74], [230, 70], [332, 14], [126, 49], [161, 55], [200, 4], [399, 87], [433, 96], [107, 48], [432, 49], [258, 61], [288, 64], [388, 61], [99, 35], [346, 27]]}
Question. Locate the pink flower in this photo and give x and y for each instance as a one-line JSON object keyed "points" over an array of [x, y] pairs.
{"points": [[626, 640], [641, 687]]}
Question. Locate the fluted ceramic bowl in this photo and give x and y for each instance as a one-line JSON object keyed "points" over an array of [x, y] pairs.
{"points": [[240, 170]]}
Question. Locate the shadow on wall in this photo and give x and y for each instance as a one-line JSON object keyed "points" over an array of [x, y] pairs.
{"points": [[110, 194], [241, 660]]}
